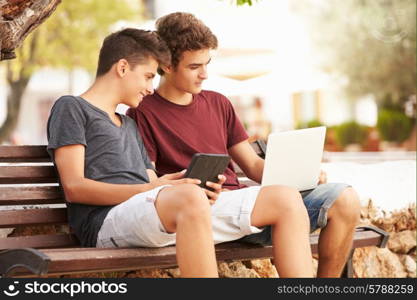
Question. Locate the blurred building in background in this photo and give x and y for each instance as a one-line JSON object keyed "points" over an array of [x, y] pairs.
{"points": [[264, 64]]}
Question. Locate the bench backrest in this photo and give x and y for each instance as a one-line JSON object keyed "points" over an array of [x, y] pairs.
{"points": [[32, 201]]}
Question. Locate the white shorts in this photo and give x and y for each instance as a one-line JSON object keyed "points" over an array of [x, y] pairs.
{"points": [[135, 222]]}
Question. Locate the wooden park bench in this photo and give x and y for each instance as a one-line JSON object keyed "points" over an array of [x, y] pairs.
{"points": [[31, 199]]}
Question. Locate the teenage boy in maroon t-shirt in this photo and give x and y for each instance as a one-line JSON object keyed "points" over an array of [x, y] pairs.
{"points": [[181, 119]]}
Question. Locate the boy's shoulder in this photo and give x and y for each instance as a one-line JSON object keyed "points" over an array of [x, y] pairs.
{"points": [[213, 95], [68, 106], [67, 101], [215, 98], [147, 100]]}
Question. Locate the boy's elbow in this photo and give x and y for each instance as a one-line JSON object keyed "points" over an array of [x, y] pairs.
{"points": [[255, 170], [249, 174], [72, 190], [254, 177]]}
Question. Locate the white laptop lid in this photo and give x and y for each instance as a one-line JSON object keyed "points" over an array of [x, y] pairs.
{"points": [[293, 158]]}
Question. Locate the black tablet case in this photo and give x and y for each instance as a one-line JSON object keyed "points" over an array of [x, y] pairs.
{"points": [[207, 167]]}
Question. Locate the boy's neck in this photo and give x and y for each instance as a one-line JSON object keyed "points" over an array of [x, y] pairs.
{"points": [[172, 94], [102, 95]]}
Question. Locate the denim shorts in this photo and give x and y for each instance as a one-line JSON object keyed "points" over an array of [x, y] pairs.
{"points": [[317, 201]]}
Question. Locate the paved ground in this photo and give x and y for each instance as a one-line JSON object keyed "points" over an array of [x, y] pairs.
{"points": [[389, 179], [368, 157]]}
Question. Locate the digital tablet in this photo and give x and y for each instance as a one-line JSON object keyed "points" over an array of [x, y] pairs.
{"points": [[207, 167]]}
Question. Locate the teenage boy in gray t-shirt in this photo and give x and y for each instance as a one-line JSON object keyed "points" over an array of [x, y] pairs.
{"points": [[113, 195]]}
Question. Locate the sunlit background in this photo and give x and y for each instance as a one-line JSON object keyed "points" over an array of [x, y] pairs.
{"points": [[284, 65]]}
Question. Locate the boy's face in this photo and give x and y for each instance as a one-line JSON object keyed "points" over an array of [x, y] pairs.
{"points": [[138, 82], [191, 71]]}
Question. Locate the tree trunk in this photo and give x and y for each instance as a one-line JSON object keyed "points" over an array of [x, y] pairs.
{"points": [[17, 78], [14, 99], [18, 18]]}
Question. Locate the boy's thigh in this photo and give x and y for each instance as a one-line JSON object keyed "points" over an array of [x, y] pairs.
{"points": [[231, 214], [135, 223], [317, 201]]}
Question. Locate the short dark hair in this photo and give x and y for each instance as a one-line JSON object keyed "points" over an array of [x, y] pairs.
{"points": [[134, 45], [184, 32]]}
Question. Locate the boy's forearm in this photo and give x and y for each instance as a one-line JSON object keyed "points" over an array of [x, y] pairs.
{"points": [[257, 170], [87, 191]]}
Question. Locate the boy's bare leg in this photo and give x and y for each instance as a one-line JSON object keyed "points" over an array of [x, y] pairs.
{"points": [[185, 209], [283, 208], [336, 238]]}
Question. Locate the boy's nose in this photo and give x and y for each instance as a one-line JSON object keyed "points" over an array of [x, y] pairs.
{"points": [[149, 89], [203, 74]]}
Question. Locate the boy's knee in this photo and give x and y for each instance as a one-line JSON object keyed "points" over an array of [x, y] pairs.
{"points": [[285, 200], [190, 193], [194, 203], [347, 205]]}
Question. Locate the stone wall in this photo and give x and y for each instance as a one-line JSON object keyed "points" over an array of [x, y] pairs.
{"points": [[398, 259]]}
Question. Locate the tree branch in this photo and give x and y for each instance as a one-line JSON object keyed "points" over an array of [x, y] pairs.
{"points": [[18, 18]]}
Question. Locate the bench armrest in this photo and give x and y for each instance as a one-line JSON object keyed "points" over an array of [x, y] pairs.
{"points": [[383, 233], [31, 259], [262, 148]]}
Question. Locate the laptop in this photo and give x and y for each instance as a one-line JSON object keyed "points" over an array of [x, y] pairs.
{"points": [[293, 158]]}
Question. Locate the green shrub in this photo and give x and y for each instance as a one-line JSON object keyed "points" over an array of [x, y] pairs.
{"points": [[350, 133], [394, 126], [309, 124]]}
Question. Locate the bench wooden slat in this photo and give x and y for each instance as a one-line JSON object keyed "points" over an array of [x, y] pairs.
{"points": [[27, 174], [366, 239], [260, 147], [21, 195], [361, 239], [23, 154], [39, 241], [78, 260], [23, 217]]}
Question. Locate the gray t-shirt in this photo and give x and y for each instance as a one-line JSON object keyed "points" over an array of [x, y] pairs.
{"points": [[112, 154]]}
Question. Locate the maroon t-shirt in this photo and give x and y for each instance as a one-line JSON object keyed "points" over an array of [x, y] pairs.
{"points": [[172, 133]]}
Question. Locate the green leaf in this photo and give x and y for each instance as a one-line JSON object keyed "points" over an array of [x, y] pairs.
{"points": [[72, 35]]}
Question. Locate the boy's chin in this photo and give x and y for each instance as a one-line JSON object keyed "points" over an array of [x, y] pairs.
{"points": [[133, 102], [196, 90]]}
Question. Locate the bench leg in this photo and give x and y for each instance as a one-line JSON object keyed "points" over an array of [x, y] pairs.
{"points": [[348, 269]]}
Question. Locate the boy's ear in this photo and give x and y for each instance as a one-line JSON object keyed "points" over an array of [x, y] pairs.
{"points": [[166, 69], [122, 67]]}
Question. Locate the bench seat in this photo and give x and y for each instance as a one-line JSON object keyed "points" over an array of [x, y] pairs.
{"points": [[31, 198]]}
